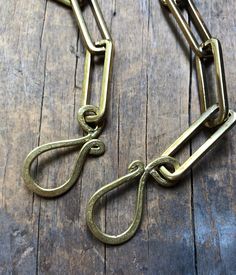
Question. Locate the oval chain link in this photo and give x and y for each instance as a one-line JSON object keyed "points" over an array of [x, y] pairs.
{"points": [[174, 7]]}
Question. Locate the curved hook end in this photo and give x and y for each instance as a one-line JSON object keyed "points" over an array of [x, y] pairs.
{"points": [[136, 169], [93, 147]]}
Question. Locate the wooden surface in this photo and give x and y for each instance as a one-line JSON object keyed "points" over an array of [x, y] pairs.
{"points": [[189, 229]]}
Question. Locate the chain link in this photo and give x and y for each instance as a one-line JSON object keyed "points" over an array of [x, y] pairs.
{"points": [[174, 7], [105, 81], [209, 49], [88, 42], [190, 132], [103, 48], [213, 46]]}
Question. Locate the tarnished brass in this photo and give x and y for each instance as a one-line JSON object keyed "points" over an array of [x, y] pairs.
{"points": [[184, 26], [214, 48]]}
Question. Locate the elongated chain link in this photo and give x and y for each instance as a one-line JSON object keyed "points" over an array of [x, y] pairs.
{"points": [[174, 7], [103, 47], [213, 46], [105, 80]]}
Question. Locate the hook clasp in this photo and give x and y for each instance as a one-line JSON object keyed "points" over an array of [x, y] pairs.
{"points": [[88, 145], [166, 171], [136, 170]]}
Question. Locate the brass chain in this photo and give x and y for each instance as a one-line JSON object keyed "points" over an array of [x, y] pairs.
{"points": [[166, 170], [90, 117]]}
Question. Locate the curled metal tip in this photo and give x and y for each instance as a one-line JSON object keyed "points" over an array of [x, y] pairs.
{"points": [[136, 170]]}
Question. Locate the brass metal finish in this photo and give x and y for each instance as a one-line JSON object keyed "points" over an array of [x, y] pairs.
{"points": [[218, 114], [191, 131], [184, 26], [103, 47], [105, 80], [165, 170], [157, 169], [214, 48], [89, 44], [136, 170], [89, 144]]}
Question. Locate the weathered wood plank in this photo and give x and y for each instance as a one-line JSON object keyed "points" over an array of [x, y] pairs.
{"points": [[171, 242], [129, 31], [214, 179], [21, 70]]}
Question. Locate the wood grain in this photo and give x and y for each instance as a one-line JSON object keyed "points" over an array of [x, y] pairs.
{"points": [[214, 179], [189, 229]]}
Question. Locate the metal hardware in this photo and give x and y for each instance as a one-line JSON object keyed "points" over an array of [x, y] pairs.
{"points": [[105, 81], [88, 145], [213, 46], [103, 47], [213, 116], [89, 44], [184, 26], [192, 130], [165, 170], [136, 170], [158, 170]]}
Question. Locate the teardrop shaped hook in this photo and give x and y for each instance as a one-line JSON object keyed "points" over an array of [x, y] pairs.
{"points": [[88, 146], [136, 169]]}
